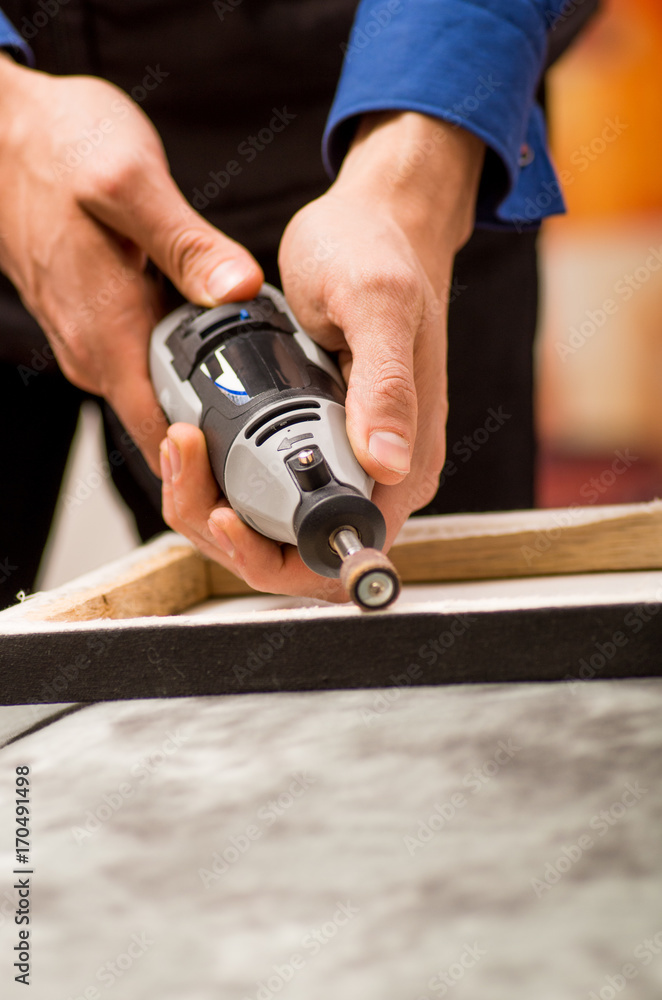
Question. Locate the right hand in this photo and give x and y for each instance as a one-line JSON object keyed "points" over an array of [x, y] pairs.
{"points": [[366, 268], [87, 198]]}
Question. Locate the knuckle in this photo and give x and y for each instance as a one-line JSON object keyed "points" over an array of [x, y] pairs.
{"points": [[184, 508], [172, 519], [186, 249], [107, 181], [393, 381], [256, 580], [395, 281]]}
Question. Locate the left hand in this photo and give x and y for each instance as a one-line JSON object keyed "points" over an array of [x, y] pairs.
{"points": [[366, 268]]}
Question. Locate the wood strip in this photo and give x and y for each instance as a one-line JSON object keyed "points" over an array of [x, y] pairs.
{"points": [[530, 543], [167, 575], [163, 586], [223, 583], [160, 579], [516, 544]]}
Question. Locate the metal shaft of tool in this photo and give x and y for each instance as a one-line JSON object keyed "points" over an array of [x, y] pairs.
{"points": [[369, 576], [346, 542]]}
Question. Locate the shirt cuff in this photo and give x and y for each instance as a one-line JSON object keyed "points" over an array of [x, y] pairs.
{"points": [[473, 64], [14, 43]]}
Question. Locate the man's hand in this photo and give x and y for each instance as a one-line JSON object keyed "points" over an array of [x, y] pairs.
{"points": [[367, 269], [401, 208], [87, 198]]}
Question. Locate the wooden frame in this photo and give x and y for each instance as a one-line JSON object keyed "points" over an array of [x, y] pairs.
{"points": [[131, 630]]}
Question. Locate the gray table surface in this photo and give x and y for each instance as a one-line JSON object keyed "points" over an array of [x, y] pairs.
{"points": [[390, 845]]}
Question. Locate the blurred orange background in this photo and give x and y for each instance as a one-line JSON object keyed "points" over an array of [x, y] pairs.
{"points": [[600, 342]]}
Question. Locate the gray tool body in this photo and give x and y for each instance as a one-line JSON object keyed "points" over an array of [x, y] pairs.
{"points": [[271, 405]]}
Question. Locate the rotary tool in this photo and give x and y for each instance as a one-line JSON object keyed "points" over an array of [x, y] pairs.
{"points": [[270, 403]]}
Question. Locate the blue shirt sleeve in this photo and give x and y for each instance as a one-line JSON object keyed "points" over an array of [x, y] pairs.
{"points": [[14, 43], [473, 63]]}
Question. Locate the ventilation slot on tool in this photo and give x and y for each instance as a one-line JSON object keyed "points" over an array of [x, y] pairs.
{"points": [[294, 418], [278, 411], [204, 334]]}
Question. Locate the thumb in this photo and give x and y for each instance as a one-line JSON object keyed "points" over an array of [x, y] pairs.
{"points": [[381, 400], [205, 265]]}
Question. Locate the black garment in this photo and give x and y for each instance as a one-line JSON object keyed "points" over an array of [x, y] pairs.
{"points": [[211, 86], [490, 440], [38, 421]]}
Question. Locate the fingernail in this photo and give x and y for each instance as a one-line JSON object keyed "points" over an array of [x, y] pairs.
{"points": [[175, 459], [220, 537], [390, 450], [226, 277], [166, 470]]}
